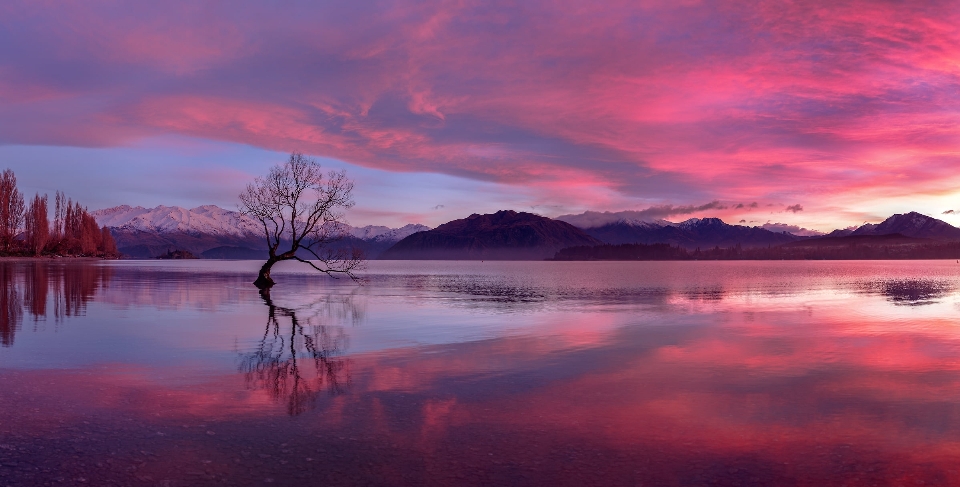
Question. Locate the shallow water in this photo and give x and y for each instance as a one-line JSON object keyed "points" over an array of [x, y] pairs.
{"points": [[481, 373]]}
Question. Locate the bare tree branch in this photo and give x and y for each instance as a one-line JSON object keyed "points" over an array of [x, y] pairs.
{"points": [[301, 209]]}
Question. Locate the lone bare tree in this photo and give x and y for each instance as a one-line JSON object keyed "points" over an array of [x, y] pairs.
{"points": [[301, 211]]}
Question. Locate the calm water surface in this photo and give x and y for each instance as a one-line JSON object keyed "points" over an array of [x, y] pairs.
{"points": [[481, 373]]}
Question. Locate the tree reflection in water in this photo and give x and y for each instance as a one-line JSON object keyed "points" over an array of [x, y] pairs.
{"points": [[11, 306], [36, 282], [276, 366], [27, 286]]}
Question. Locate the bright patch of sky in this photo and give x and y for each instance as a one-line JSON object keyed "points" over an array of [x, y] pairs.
{"points": [[190, 172]]}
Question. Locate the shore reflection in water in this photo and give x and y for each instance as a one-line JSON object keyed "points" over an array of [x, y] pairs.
{"points": [[30, 286], [692, 373]]}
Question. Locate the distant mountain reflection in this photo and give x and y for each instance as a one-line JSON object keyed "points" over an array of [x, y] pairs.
{"points": [[911, 292], [43, 288]]}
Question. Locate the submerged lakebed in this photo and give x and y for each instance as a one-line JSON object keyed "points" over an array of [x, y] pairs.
{"points": [[481, 373]]}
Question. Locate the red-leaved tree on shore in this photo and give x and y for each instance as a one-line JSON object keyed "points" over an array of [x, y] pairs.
{"points": [[11, 209], [80, 233], [36, 225], [74, 230]]}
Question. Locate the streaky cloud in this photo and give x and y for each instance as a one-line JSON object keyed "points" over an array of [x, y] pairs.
{"points": [[621, 101]]}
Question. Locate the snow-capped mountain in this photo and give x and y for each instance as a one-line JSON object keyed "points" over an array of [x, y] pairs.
{"points": [[213, 220], [700, 223], [380, 233], [207, 219], [369, 232], [645, 224], [215, 232]]}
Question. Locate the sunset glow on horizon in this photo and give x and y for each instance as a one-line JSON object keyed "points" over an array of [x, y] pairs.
{"points": [[814, 115]]}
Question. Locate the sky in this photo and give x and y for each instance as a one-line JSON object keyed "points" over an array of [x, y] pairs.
{"points": [[810, 114]]}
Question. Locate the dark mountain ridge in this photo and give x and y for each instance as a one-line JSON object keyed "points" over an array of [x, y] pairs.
{"points": [[865, 240], [504, 235], [140, 244], [713, 232], [902, 236], [911, 224], [690, 234], [901, 228]]}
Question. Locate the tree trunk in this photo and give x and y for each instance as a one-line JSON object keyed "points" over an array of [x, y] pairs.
{"points": [[264, 281]]}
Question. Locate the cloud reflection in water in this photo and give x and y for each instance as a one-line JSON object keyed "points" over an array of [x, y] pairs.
{"points": [[775, 374]]}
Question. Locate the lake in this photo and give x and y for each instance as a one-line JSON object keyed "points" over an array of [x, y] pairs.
{"points": [[177, 373]]}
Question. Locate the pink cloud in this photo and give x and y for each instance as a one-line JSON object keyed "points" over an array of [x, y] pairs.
{"points": [[676, 103]]}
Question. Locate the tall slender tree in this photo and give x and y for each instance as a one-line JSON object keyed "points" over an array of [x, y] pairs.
{"points": [[37, 225], [61, 204], [91, 238], [11, 208], [108, 246], [71, 220]]}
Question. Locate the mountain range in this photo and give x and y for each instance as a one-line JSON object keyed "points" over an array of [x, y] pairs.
{"points": [[213, 232], [689, 234], [504, 235], [911, 224]]}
